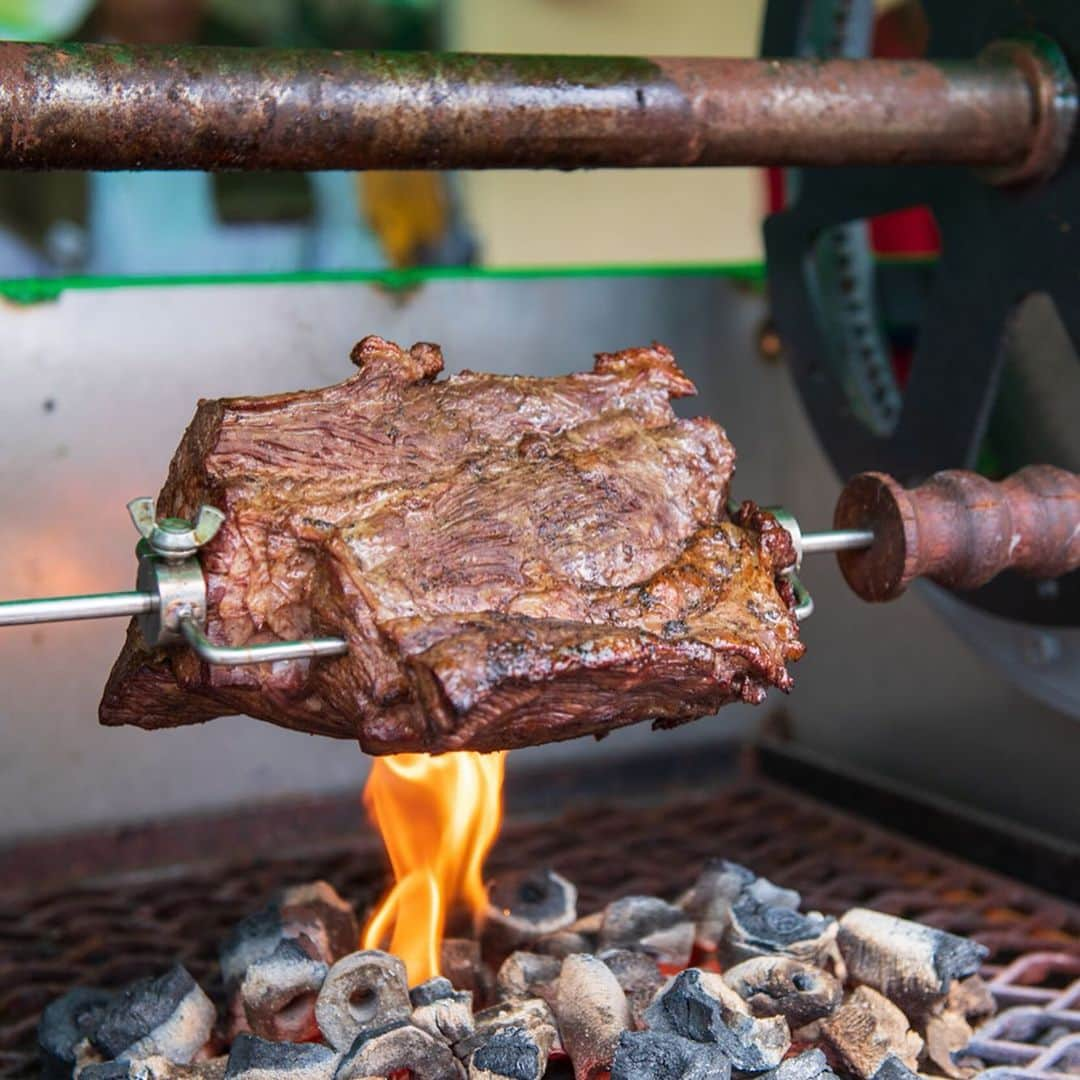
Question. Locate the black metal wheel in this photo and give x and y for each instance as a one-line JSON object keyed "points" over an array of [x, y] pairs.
{"points": [[988, 319]]}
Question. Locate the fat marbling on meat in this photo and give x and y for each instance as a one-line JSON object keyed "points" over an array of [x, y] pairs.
{"points": [[512, 560]]}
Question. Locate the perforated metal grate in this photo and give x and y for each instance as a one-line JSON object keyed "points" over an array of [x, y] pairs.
{"points": [[1037, 1035], [106, 932]]}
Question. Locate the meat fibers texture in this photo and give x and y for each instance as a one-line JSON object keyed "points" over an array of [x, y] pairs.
{"points": [[512, 560]]}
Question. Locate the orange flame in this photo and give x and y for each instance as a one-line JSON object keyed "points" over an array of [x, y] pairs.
{"points": [[438, 817]]}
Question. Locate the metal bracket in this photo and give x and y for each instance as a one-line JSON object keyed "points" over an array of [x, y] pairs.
{"points": [[268, 652], [804, 602], [170, 572], [169, 568]]}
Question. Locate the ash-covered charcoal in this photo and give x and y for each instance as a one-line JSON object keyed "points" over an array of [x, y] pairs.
{"points": [[525, 905], [700, 1006], [461, 962], [313, 911], [639, 976], [252, 1058], [809, 1065], [769, 894], [156, 1068], [106, 1070], [316, 919], [511, 560], [650, 925], [437, 988], [949, 1028], [971, 998], [758, 929], [911, 964], [362, 992], [709, 900], [867, 1029], [316, 910], [581, 936], [534, 1016], [662, 1055], [399, 1048], [167, 1015], [892, 1068], [253, 938], [511, 1053], [279, 992], [440, 1010], [64, 1031], [563, 944], [592, 1012], [528, 975], [946, 1035], [781, 986]]}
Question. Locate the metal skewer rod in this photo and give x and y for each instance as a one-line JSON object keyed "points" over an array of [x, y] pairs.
{"points": [[90, 106], [71, 608], [837, 540], [121, 604]]}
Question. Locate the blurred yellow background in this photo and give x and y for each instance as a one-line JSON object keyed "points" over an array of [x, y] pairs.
{"points": [[608, 216]]}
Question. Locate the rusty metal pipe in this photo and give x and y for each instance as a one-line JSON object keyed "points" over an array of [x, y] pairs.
{"points": [[118, 107]]}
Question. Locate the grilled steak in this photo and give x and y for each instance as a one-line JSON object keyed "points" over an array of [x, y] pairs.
{"points": [[512, 560]]}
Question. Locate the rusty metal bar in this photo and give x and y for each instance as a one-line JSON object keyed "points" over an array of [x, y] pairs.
{"points": [[118, 107]]}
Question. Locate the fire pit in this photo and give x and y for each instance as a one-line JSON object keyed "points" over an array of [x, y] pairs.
{"points": [[108, 932]]}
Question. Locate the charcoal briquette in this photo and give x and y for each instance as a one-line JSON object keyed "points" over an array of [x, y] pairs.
{"points": [[892, 1068], [663, 1055], [155, 1068], [362, 991], [911, 964], [528, 975], [783, 986], [399, 1047], [436, 988], [448, 1018], [252, 1058], [279, 993], [810, 1065], [532, 1015], [511, 1053], [757, 929], [592, 1012], [638, 975], [523, 906], [65, 1023], [167, 1014], [651, 925], [700, 1006]]}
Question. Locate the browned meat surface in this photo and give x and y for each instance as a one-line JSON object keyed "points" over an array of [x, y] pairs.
{"points": [[512, 560]]}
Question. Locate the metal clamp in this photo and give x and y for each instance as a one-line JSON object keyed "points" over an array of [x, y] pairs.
{"points": [[804, 602], [169, 570]]}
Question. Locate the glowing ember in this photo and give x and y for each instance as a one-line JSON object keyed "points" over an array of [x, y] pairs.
{"points": [[438, 817]]}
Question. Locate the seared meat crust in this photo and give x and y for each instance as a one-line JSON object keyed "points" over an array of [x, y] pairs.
{"points": [[512, 560]]}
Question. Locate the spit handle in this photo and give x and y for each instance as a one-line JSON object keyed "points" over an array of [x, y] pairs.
{"points": [[959, 529]]}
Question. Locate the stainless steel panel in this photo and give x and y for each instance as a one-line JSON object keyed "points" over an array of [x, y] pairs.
{"points": [[98, 386]]}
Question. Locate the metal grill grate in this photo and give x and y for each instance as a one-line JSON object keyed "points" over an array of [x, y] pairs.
{"points": [[1038, 1033], [109, 931]]}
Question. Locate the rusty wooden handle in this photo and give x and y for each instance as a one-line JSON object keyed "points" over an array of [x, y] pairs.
{"points": [[960, 529]]}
